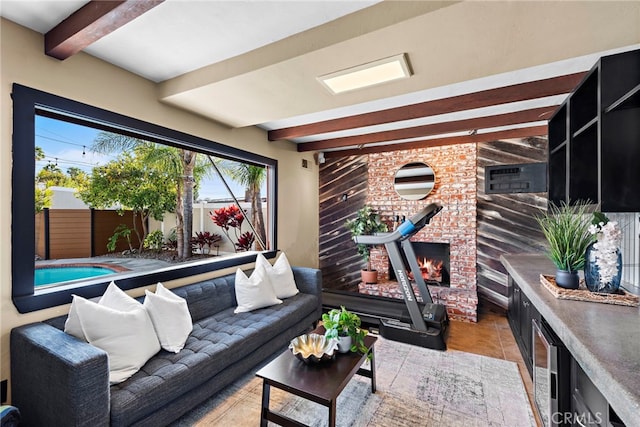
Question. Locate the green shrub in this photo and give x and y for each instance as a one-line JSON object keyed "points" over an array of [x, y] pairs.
{"points": [[154, 240]]}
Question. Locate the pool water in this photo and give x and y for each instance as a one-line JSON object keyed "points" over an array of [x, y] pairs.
{"points": [[49, 275]]}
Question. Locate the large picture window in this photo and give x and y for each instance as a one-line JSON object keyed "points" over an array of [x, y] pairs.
{"points": [[98, 196]]}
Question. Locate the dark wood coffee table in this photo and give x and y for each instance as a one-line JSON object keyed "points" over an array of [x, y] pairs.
{"points": [[320, 383]]}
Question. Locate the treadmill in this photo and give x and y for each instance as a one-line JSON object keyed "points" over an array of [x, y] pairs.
{"points": [[429, 320]]}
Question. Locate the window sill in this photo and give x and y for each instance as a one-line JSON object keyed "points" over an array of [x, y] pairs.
{"points": [[60, 295]]}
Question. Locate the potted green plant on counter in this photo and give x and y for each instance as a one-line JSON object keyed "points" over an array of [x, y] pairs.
{"points": [[566, 228], [366, 222], [346, 327]]}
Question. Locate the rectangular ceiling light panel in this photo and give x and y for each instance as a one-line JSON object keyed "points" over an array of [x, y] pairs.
{"points": [[366, 75]]}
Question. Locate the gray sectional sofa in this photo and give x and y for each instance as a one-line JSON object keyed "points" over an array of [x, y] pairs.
{"points": [[58, 380]]}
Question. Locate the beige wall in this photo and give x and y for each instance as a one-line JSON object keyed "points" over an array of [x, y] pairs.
{"points": [[87, 79]]}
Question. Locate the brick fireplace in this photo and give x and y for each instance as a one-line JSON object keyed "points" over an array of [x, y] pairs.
{"points": [[455, 225], [433, 260]]}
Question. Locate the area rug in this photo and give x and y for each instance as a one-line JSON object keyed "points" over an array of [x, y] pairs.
{"points": [[415, 387]]}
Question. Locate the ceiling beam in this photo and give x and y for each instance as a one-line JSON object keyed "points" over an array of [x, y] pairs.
{"points": [[90, 23], [502, 95], [437, 142], [505, 119]]}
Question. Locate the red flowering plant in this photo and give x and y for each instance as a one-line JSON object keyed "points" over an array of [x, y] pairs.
{"points": [[245, 241], [203, 240], [227, 217], [230, 217]]}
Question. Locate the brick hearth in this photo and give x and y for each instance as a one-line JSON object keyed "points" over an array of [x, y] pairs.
{"points": [[455, 190]]}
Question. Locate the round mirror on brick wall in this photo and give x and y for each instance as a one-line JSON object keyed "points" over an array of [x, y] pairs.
{"points": [[414, 181]]}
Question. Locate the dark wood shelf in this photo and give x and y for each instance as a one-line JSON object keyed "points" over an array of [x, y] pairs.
{"points": [[583, 102], [558, 128], [630, 99], [602, 119], [585, 127], [559, 147]]}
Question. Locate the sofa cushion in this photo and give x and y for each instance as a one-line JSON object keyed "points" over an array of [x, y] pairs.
{"points": [[215, 343], [208, 297]]}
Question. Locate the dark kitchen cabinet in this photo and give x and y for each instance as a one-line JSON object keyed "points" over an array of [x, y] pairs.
{"points": [[584, 405], [588, 406], [594, 137], [521, 314], [586, 385]]}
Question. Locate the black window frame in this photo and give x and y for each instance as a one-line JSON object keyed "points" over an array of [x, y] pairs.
{"points": [[29, 102]]}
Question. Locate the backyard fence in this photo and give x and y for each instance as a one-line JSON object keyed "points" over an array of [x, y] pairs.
{"points": [[84, 233], [79, 233]]}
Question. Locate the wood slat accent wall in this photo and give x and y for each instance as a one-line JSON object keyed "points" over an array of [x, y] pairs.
{"points": [[506, 222], [339, 261]]}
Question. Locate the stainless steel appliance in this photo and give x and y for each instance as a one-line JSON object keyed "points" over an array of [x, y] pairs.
{"points": [[551, 376]]}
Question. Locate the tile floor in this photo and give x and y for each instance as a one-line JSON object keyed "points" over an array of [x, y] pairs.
{"points": [[492, 337]]}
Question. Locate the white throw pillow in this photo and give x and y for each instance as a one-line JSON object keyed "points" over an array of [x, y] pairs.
{"points": [[254, 292], [126, 335], [170, 316], [280, 275], [72, 326], [113, 297], [116, 298]]}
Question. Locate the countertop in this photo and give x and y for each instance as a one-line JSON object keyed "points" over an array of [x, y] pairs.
{"points": [[603, 338]]}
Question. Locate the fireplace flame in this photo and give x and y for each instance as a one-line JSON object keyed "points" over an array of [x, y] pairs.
{"points": [[431, 269]]}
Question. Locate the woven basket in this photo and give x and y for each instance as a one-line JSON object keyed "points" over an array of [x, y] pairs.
{"points": [[583, 294]]}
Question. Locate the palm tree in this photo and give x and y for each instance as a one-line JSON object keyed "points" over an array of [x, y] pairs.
{"points": [[180, 164], [252, 177]]}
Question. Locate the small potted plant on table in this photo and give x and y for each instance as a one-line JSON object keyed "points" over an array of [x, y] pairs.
{"points": [[366, 222], [345, 326], [566, 228]]}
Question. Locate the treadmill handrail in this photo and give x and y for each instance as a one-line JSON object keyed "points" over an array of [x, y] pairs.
{"points": [[378, 238], [423, 217], [407, 228]]}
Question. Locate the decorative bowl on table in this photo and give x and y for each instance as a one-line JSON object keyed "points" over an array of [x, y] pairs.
{"points": [[314, 348]]}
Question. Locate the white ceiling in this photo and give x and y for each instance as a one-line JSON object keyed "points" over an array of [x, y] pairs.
{"points": [[179, 36], [261, 58], [209, 32]]}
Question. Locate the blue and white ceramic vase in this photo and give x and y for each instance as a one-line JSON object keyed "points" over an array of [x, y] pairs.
{"points": [[592, 276]]}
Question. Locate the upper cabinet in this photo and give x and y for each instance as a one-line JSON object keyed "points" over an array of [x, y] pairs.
{"points": [[594, 138]]}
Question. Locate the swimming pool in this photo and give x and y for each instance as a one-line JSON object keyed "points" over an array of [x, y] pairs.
{"points": [[48, 275]]}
